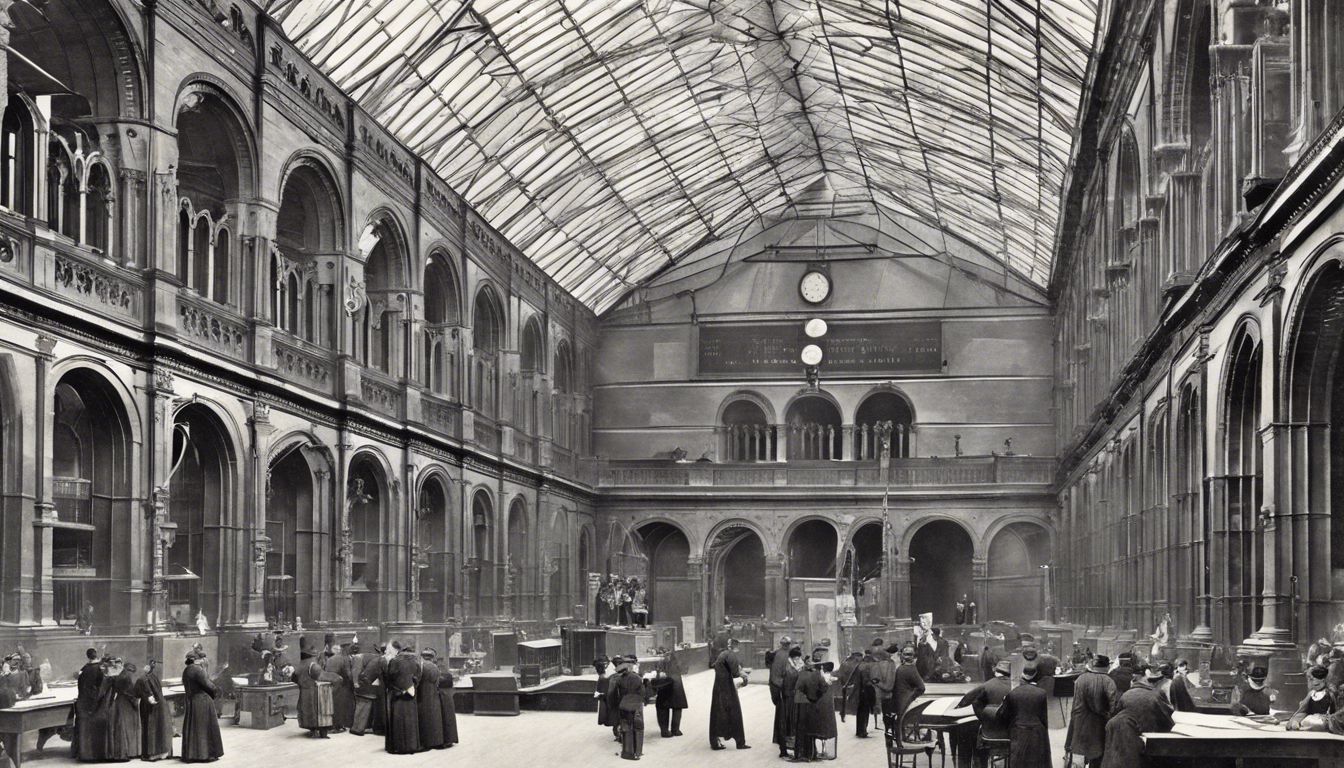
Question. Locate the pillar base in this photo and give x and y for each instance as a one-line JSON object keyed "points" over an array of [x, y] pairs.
{"points": [[1201, 634]]}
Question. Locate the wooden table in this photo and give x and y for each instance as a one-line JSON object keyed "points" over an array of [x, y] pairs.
{"points": [[1222, 741], [50, 709]]}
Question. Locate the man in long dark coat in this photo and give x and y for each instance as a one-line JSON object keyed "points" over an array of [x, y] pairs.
{"points": [[725, 710], [628, 696], [1025, 713], [156, 719], [403, 716], [1123, 674], [427, 701], [783, 731], [1180, 687], [909, 685], [985, 700], [845, 698], [447, 707], [89, 731], [200, 725], [1142, 709], [808, 690], [671, 697], [1094, 699], [342, 690], [865, 695], [370, 701], [778, 662]]}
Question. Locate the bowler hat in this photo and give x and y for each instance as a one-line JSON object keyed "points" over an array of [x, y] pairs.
{"points": [[1004, 667], [1101, 662]]}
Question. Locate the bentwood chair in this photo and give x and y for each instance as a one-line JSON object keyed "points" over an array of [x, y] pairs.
{"points": [[908, 740]]}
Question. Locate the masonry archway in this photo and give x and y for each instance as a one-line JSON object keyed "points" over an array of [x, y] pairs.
{"points": [[940, 569], [737, 574]]}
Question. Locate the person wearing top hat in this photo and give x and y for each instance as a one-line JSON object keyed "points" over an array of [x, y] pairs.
{"points": [[1180, 687], [427, 699], [725, 710], [1094, 699], [670, 698], [315, 701], [629, 693], [1253, 697], [401, 680], [985, 700], [201, 742], [156, 719], [1319, 702], [1023, 714], [1142, 709]]}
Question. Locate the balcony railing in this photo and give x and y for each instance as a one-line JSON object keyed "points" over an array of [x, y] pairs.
{"points": [[303, 364], [380, 394], [212, 325], [441, 415], [904, 473], [487, 433]]}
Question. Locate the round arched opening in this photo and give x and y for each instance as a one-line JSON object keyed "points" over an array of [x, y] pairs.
{"points": [[435, 558], [1018, 584], [1245, 563], [861, 574], [748, 435], [308, 226], [487, 330], [371, 584], [814, 429], [482, 553], [738, 558], [293, 513], [811, 551], [92, 567], [201, 496], [882, 417], [441, 319], [671, 589], [940, 569], [519, 560]]}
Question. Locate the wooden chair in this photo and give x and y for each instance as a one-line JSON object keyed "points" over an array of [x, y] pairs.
{"points": [[909, 740], [996, 750]]}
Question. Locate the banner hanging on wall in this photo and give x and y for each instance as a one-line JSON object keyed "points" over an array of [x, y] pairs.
{"points": [[881, 347]]}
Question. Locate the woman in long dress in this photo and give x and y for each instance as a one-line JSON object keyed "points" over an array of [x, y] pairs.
{"points": [[316, 702], [427, 699], [201, 742], [123, 712]]}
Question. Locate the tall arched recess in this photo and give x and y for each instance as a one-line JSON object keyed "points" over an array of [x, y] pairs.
{"points": [[671, 589], [1240, 574], [202, 495], [1316, 415], [1017, 582], [441, 353]]}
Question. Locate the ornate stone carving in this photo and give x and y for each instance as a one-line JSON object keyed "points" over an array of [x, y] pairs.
{"points": [[214, 328], [86, 282]]}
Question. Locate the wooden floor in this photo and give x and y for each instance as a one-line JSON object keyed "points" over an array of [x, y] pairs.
{"points": [[551, 739]]}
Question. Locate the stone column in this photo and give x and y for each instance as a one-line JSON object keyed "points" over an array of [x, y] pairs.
{"points": [[163, 533], [847, 442], [258, 498], [776, 589], [39, 607], [782, 442], [697, 571], [343, 600]]}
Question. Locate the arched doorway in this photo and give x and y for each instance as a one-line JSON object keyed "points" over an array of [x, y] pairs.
{"points": [[671, 590], [814, 429], [435, 558], [940, 569], [482, 562], [811, 575], [882, 413], [373, 585], [201, 498], [95, 516], [1018, 586], [861, 574], [1245, 566], [1316, 408], [737, 557], [307, 227], [295, 507]]}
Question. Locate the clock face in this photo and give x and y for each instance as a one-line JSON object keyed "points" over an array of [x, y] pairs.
{"points": [[815, 287]]}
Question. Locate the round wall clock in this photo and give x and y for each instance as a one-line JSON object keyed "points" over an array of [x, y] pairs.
{"points": [[815, 287]]}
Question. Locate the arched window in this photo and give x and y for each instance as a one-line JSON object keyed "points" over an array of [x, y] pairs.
{"points": [[883, 416], [441, 321], [201, 497], [436, 562], [370, 546], [748, 435], [531, 356], [565, 416], [98, 213], [213, 174], [307, 227], [17, 171], [520, 562], [487, 331], [1244, 466], [482, 552], [378, 331]]}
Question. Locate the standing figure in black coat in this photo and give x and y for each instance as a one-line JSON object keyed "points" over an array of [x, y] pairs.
{"points": [[342, 688], [865, 696], [403, 715], [1024, 714], [123, 711], [315, 701], [1142, 709], [628, 696], [985, 700], [808, 690], [784, 711], [200, 726], [671, 697], [1180, 687], [89, 738], [725, 709], [156, 720], [366, 669], [427, 699], [446, 706], [1094, 700], [909, 686]]}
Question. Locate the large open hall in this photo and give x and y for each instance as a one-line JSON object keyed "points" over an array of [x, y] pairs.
{"points": [[495, 382]]}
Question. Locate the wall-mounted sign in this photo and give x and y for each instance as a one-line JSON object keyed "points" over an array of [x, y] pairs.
{"points": [[849, 347]]}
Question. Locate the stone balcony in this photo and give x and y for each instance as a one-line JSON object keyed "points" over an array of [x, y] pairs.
{"points": [[1031, 474]]}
